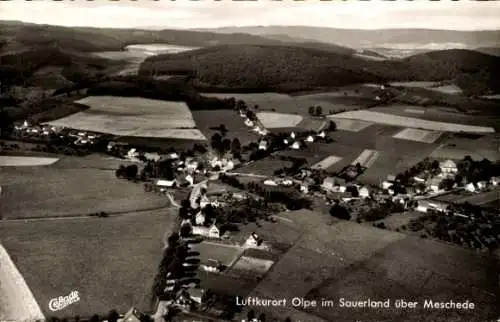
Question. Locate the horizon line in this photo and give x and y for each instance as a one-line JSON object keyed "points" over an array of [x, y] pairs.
{"points": [[159, 28]]}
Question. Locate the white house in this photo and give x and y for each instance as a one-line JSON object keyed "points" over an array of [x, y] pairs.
{"points": [[364, 192], [249, 123], [211, 232], [263, 145], [189, 178], [229, 165], [494, 181], [295, 145], [419, 179], [270, 182], [286, 141], [199, 219], [286, 182], [386, 184], [310, 139], [242, 113], [334, 184], [304, 187], [482, 184], [322, 134], [216, 162], [433, 184], [192, 165], [152, 156], [196, 294], [470, 187], [253, 241], [292, 135], [377, 98], [426, 205], [204, 201], [448, 166], [166, 183], [173, 156]]}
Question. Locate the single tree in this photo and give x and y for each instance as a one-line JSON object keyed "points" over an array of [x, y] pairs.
{"points": [[311, 110], [113, 316], [95, 318], [235, 146], [319, 111], [185, 230], [262, 317], [250, 315]]}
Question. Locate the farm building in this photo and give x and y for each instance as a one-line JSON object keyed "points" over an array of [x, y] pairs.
{"points": [[152, 156], [204, 201], [426, 205], [304, 187], [470, 187], [482, 184], [211, 232], [196, 294], [364, 192], [322, 134], [199, 219], [270, 183], [263, 145], [192, 165], [433, 184], [249, 123], [253, 240], [296, 145], [173, 156], [292, 135], [310, 139], [334, 184], [494, 181], [448, 166], [189, 179], [166, 183]]}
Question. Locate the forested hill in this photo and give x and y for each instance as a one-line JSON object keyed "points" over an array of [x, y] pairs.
{"points": [[293, 68]]}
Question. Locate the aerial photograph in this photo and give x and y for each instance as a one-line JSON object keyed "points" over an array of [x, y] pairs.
{"points": [[249, 161]]}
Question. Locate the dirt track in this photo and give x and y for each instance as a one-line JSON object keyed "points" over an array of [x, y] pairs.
{"points": [[17, 303]]}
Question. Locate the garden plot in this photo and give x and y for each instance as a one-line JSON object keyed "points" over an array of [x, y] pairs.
{"points": [[133, 116], [384, 118], [366, 158], [349, 125], [418, 135], [327, 162], [257, 265], [276, 120]]}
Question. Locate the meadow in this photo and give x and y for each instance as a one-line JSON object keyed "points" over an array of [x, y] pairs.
{"points": [[111, 261], [265, 166], [133, 116], [29, 192], [366, 158], [25, 161], [326, 162], [208, 120], [278, 120], [331, 102], [418, 135], [349, 125], [344, 259], [390, 119]]}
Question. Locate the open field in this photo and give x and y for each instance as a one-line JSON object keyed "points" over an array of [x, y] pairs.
{"points": [[225, 254], [421, 84], [418, 135], [257, 265], [15, 161], [327, 162], [439, 114], [395, 221], [366, 158], [110, 261], [489, 197], [132, 116], [458, 153], [274, 120], [59, 191], [17, 302], [206, 120], [353, 261], [317, 152], [447, 89], [310, 123], [331, 102], [349, 125], [384, 118], [265, 166]]}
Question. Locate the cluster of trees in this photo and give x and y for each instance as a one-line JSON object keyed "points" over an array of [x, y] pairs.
{"points": [[339, 211], [290, 198], [381, 211], [127, 172], [475, 171], [297, 163], [480, 229], [425, 165], [268, 68], [315, 110], [222, 144]]}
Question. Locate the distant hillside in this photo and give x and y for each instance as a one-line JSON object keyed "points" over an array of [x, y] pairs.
{"points": [[291, 68], [356, 38], [494, 51]]}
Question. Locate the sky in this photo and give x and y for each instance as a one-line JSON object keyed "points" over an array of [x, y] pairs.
{"points": [[184, 14]]}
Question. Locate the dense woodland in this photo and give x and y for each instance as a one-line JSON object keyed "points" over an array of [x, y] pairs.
{"points": [[292, 68]]}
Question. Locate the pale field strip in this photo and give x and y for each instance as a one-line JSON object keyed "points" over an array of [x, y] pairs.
{"points": [[390, 119], [447, 89], [414, 111], [349, 125], [13, 161], [327, 162], [17, 303], [420, 84], [366, 158], [253, 264], [133, 116], [277, 120], [250, 97], [418, 135]]}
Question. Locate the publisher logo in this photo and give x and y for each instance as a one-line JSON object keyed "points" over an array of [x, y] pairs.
{"points": [[61, 302]]}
